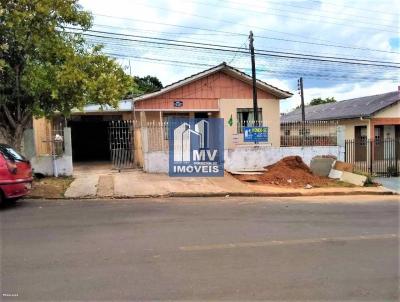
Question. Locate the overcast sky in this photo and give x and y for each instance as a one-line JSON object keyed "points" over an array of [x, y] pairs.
{"points": [[352, 26]]}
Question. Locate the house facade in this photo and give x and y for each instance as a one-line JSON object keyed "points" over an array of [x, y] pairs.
{"points": [[374, 117], [371, 127], [221, 91]]}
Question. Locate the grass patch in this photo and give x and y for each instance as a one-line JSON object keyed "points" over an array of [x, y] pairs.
{"points": [[336, 184], [50, 187]]}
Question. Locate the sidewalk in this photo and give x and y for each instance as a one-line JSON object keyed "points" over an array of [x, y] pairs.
{"points": [[390, 183], [136, 183]]}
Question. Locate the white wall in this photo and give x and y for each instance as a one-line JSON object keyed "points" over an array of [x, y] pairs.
{"points": [[248, 158], [44, 164], [255, 157], [156, 162]]}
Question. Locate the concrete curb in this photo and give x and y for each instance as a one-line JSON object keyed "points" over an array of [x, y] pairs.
{"points": [[229, 194]]}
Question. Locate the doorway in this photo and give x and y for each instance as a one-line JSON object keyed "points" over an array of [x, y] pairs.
{"points": [[360, 135], [90, 141]]}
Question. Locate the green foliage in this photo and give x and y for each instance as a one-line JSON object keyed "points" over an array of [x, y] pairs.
{"points": [[319, 101], [46, 69], [146, 84], [392, 170]]}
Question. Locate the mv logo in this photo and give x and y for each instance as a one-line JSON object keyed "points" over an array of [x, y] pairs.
{"points": [[196, 147], [188, 142]]}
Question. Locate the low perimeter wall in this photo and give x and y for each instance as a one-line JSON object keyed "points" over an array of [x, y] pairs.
{"points": [[248, 158], [257, 157], [45, 164]]}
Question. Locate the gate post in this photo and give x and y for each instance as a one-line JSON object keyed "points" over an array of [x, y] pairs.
{"points": [[341, 142], [371, 155]]}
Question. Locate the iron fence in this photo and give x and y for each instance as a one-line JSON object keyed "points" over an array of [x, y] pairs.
{"points": [[379, 157], [121, 142], [156, 134], [309, 133]]}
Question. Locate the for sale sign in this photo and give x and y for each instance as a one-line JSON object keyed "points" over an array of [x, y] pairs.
{"points": [[255, 134]]}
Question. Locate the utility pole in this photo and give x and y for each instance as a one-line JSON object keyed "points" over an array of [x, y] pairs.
{"points": [[253, 74], [303, 111]]}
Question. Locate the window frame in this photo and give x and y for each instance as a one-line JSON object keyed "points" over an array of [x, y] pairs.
{"points": [[240, 121]]}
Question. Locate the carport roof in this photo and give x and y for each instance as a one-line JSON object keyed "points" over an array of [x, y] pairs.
{"points": [[123, 106], [236, 73], [352, 108]]}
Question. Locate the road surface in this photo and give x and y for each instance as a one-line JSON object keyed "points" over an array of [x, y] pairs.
{"points": [[332, 248]]}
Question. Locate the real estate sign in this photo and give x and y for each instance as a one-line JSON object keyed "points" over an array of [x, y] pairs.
{"points": [[196, 147], [255, 134]]}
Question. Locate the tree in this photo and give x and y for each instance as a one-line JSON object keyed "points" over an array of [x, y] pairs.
{"points": [[46, 68], [319, 101], [147, 84]]}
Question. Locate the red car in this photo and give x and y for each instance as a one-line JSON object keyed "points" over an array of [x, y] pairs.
{"points": [[15, 174]]}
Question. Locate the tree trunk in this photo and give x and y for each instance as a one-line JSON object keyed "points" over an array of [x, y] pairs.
{"points": [[17, 138], [14, 137], [14, 134]]}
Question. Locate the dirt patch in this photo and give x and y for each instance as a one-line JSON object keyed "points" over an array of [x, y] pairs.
{"points": [[292, 172], [50, 187]]}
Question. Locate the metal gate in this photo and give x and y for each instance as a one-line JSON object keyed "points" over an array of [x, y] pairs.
{"points": [[121, 144], [380, 157]]}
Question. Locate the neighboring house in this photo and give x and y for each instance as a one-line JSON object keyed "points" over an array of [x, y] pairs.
{"points": [[221, 91], [370, 117], [371, 129]]}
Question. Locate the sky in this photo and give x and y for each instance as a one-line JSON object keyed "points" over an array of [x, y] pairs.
{"points": [[361, 29]]}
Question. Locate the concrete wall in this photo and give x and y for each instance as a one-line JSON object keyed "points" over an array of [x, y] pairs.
{"points": [[270, 114], [248, 157], [257, 157], [44, 164], [156, 162]]}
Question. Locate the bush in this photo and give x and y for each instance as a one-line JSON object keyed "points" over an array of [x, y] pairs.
{"points": [[391, 171]]}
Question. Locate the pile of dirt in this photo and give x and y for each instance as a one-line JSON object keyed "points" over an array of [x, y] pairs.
{"points": [[290, 171]]}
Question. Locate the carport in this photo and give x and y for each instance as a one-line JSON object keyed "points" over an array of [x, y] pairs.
{"points": [[90, 131]]}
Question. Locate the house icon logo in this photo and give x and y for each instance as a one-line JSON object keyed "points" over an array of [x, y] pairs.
{"points": [[183, 136], [196, 147]]}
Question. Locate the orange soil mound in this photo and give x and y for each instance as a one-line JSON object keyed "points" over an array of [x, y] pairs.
{"points": [[290, 171]]}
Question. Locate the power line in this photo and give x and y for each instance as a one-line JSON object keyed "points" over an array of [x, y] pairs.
{"points": [[202, 55], [259, 70], [394, 29], [225, 21], [130, 29], [286, 4], [257, 36], [236, 49]]}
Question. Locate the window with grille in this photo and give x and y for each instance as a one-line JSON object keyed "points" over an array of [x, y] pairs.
{"points": [[245, 118]]}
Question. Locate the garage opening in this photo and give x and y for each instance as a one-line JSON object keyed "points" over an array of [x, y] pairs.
{"points": [[90, 137]]}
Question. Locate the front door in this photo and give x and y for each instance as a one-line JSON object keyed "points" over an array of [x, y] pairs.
{"points": [[360, 142]]}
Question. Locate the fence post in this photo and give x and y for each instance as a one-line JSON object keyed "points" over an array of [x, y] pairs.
{"points": [[371, 154], [340, 140]]}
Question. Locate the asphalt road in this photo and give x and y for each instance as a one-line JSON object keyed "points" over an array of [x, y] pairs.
{"points": [[336, 248]]}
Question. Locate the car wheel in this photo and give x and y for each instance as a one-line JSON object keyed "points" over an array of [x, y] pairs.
{"points": [[1, 198]]}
